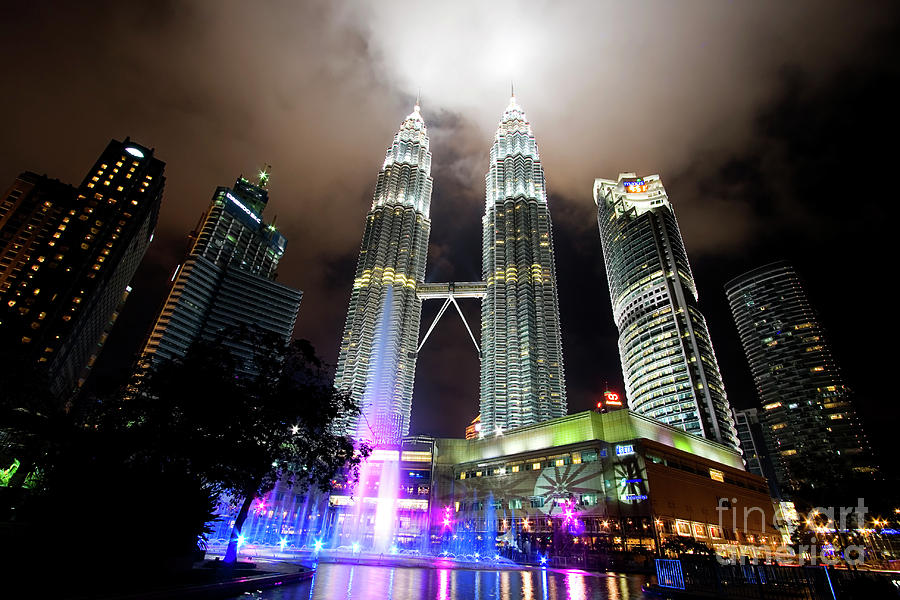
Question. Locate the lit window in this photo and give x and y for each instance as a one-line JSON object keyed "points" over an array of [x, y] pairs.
{"points": [[535, 466]]}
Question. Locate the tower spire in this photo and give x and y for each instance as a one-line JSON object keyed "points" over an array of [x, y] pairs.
{"points": [[263, 177], [512, 89]]}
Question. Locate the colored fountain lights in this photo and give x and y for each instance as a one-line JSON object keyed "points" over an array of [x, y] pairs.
{"points": [[571, 522]]}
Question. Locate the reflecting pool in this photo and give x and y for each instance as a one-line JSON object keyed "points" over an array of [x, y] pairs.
{"points": [[361, 582]]}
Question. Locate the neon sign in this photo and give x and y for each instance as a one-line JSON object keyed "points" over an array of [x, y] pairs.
{"points": [[612, 398], [636, 497], [243, 208], [624, 450], [636, 186]]}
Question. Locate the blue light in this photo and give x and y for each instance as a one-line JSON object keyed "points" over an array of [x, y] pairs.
{"points": [[317, 545], [356, 546], [543, 560], [283, 543], [624, 450], [240, 539]]}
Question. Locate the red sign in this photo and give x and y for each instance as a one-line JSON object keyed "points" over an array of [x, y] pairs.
{"points": [[612, 398]]}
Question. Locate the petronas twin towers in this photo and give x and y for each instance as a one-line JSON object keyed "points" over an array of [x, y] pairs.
{"points": [[522, 378]]}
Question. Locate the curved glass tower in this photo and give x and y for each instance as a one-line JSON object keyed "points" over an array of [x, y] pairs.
{"points": [[522, 379], [668, 363], [810, 424], [378, 350]]}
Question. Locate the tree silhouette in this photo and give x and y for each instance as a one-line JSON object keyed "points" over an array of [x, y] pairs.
{"points": [[246, 432]]}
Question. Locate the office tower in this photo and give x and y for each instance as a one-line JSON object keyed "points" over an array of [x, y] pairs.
{"points": [[812, 431], [668, 363], [753, 447], [67, 256], [227, 280], [522, 377], [377, 357]]}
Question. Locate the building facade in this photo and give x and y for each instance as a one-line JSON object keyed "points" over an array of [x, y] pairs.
{"points": [[669, 366], [227, 280], [377, 358], [522, 376], [603, 483], [67, 256], [810, 425], [754, 447]]}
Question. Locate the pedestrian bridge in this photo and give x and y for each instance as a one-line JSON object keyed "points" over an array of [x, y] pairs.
{"points": [[449, 292]]}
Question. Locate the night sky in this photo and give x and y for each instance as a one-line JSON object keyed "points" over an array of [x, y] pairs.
{"points": [[772, 124]]}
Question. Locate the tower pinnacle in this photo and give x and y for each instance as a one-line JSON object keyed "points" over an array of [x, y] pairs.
{"points": [[263, 176]]}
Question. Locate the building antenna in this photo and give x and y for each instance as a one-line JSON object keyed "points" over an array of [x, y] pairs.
{"points": [[512, 89], [263, 177]]}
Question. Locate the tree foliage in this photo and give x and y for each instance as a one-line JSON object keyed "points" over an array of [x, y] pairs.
{"points": [[246, 426]]}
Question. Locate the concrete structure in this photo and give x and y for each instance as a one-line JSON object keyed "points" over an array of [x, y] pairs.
{"points": [[668, 363], [522, 377], [227, 280], [809, 422], [377, 359], [67, 256]]}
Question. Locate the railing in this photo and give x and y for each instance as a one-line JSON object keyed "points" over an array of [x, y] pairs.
{"points": [[707, 576]]}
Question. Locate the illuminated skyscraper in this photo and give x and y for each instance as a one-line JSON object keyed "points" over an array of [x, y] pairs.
{"points": [[67, 256], [227, 280], [522, 377], [810, 426], [668, 363], [377, 358]]}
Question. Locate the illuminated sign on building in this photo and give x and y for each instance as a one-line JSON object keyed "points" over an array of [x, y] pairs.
{"points": [[717, 475], [624, 450], [636, 497], [635, 186], [244, 208]]}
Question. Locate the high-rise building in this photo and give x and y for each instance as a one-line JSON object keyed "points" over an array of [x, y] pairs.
{"points": [[522, 376], [810, 425], [227, 280], [668, 363], [753, 447], [67, 256], [377, 357]]}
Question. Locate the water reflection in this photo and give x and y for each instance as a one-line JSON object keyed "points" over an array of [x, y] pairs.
{"points": [[576, 586], [360, 582]]}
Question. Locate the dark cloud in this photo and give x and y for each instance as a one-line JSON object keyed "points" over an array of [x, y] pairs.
{"points": [[771, 124]]}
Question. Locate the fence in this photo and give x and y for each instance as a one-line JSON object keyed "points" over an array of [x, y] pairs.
{"points": [[706, 576]]}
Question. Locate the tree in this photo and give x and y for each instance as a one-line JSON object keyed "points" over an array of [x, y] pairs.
{"points": [[247, 432]]}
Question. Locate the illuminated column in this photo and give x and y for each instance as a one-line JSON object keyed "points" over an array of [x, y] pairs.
{"points": [[522, 379], [668, 363], [377, 358]]}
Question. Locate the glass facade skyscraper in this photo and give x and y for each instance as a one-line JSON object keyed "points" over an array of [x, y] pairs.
{"points": [[810, 426], [227, 280], [377, 357], [67, 256], [670, 370], [522, 376]]}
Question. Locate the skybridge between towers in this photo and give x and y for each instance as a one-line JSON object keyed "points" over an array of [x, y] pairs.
{"points": [[449, 292]]}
